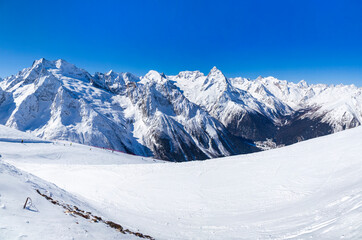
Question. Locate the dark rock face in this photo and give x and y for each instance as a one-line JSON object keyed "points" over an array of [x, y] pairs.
{"points": [[301, 128], [297, 127], [176, 147], [252, 126]]}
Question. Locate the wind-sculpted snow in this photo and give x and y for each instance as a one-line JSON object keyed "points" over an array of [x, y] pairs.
{"points": [[179, 118]]}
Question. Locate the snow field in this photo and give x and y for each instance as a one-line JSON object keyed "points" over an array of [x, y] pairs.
{"points": [[312, 189]]}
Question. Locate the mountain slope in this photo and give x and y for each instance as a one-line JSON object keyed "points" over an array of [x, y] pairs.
{"points": [[177, 118], [41, 218], [318, 109], [175, 127], [307, 190], [54, 100], [148, 116], [241, 113]]}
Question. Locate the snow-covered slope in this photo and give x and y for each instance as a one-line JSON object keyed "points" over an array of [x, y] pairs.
{"points": [[58, 152], [13, 135], [41, 219], [178, 118], [312, 189], [56, 214]]}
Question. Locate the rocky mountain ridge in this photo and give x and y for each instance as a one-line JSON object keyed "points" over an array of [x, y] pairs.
{"points": [[178, 118]]}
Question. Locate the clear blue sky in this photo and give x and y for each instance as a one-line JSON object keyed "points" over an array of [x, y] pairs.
{"points": [[319, 41]]}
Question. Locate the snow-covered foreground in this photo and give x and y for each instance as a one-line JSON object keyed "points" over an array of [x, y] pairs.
{"points": [[41, 219], [310, 189]]}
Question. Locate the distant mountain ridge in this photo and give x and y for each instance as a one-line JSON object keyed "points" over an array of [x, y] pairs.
{"points": [[185, 117]]}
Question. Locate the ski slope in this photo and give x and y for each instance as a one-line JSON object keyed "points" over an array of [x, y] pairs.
{"points": [[13, 135], [312, 189], [41, 219]]}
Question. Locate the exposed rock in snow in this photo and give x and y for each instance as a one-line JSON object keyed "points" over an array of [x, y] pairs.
{"points": [[112, 81], [184, 117]]}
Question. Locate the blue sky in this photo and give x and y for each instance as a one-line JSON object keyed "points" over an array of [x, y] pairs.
{"points": [[319, 41]]}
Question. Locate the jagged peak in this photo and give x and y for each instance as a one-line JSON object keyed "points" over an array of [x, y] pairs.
{"points": [[61, 61], [112, 77], [189, 75], [110, 72], [154, 76], [259, 78], [185, 73], [59, 64], [42, 62], [303, 83], [215, 71], [271, 78], [62, 64], [216, 76]]}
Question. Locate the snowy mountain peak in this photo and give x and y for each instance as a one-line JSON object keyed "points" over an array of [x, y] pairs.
{"points": [[302, 83], [154, 76], [260, 78], [113, 81], [269, 79], [216, 78], [215, 71], [111, 72], [61, 63], [189, 75], [42, 63], [58, 67]]}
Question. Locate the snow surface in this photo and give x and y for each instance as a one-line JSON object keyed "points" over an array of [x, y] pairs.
{"points": [[311, 189], [13, 135], [42, 219]]}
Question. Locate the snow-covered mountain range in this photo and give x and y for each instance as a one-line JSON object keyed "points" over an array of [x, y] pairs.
{"points": [[179, 118]]}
